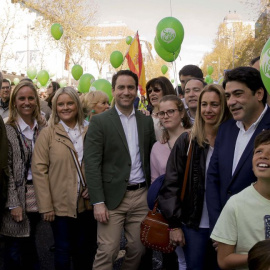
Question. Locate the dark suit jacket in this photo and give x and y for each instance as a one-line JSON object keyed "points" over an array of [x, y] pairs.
{"points": [[221, 184], [107, 159]]}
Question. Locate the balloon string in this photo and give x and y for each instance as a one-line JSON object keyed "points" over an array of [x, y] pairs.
{"points": [[175, 75], [171, 7]]}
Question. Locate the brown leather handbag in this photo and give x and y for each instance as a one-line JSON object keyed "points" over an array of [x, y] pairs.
{"points": [[154, 228]]}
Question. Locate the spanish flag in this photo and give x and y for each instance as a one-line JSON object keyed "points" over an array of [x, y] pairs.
{"points": [[135, 62]]}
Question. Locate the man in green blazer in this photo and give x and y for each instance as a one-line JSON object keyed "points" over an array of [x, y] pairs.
{"points": [[117, 167]]}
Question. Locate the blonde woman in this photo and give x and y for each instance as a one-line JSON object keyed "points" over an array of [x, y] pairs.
{"points": [[188, 220], [59, 187], [94, 102], [21, 214]]}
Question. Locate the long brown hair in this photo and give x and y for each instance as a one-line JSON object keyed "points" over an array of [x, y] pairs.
{"points": [[198, 130], [13, 113]]}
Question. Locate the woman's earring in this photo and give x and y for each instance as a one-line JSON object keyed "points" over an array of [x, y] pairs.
{"points": [[182, 123], [93, 111]]}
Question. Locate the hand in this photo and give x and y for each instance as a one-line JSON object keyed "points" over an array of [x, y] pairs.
{"points": [[177, 237], [215, 245], [85, 194], [101, 213], [145, 112], [49, 216], [16, 214]]}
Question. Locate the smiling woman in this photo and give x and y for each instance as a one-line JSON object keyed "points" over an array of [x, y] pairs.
{"points": [[188, 219], [21, 214], [156, 88], [59, 182]]}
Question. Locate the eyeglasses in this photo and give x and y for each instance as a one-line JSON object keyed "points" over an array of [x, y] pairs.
{"points": [[161, 114], [5, 87], [155, 89]]}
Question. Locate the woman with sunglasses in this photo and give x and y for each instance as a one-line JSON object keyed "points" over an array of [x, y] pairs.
{"points": [[155, 90], [175, 121], [188, 219]]}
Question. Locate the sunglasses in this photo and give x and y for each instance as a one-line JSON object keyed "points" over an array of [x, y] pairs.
{"points": [[155, 89]]}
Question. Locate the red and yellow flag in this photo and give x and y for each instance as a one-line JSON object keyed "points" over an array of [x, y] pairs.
{"points": [[135, 62]]}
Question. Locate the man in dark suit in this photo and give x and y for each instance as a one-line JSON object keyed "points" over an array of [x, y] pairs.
{"points": [[117, 167], [3, 163], [230, 168]]}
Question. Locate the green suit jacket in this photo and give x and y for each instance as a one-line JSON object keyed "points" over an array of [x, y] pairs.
{"points": [[107, 159]]}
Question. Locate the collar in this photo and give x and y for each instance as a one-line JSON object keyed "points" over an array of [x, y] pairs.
{"points": [[120, 113], [23, 126], [67, 128], [240, 125]]}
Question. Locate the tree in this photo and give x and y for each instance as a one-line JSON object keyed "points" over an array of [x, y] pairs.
{"points": [[228, 48], [9, 18], [75, 16]]}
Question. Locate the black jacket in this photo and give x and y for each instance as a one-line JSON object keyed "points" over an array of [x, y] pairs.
{"points": [[189, 211]]}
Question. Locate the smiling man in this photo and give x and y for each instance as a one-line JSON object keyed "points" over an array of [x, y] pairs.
{"points": [[192, 90], [117, 168], [4, 101], [230, 168]]}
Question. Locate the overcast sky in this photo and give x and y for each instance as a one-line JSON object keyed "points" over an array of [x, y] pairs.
{"points": [[200, 19]]}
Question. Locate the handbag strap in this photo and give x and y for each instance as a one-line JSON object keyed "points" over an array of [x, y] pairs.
{"points": [[78, 167], [186, 170]]}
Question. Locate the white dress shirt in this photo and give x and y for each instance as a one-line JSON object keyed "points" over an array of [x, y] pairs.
{"points": [[75, 135], [28, 132], [129, 124], [244, 137]]}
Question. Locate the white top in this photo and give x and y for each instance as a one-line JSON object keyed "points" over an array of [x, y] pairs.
{"points": [[244, 137], [75, 135], [129, 124], [205, 218], [244, 221], [28, 132]]}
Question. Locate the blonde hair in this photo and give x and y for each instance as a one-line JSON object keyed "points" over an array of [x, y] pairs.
{"points": [[90, 99], [198, 130], [54, 119], [13, 113]]}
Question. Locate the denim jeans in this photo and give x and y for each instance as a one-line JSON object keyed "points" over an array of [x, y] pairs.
{"points": [[21, 252], [75, 239], [196, 247]]}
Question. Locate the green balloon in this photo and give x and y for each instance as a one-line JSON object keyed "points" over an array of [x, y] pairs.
{"points": [[77, 72], [170, 34], [116, 59], [85, 81], [167, 56], [164, 69], [57, 31], [210, 70], [43, 77], [31, 73], [63, 83], [207, 78], [16, 81], [128, 40], [104, 86], [265, 65]]}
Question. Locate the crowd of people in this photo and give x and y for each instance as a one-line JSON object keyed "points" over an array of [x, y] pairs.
{"points": [[85, 166]]}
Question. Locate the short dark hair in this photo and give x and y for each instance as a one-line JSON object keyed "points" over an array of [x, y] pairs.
{"points": [[191, 70], [55, 86], [254, 60], [250, 76], [125, 72], [259, 256], [8, 81], [262, 138], [164, 83]]}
